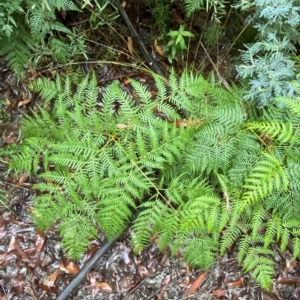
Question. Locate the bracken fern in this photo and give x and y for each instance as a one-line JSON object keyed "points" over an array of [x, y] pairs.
{"points": [[230, 176]]}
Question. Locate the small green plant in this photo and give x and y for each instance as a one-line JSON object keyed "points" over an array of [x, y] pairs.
{"points": [[177, 42]]}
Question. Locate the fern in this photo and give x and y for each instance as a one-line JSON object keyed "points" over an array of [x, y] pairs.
{"points": [[229, 177], [17, 48], [262, 266]]}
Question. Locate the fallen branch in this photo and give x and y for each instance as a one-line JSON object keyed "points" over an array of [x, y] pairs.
{"points": [[149, 59]]}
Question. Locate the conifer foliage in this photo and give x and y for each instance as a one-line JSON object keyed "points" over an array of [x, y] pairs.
{"points": [[228, 174]]}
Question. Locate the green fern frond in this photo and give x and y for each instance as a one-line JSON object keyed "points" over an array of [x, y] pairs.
{"points": [[230, 117], [282, 132], [214, 149], [59, 28], [60, 51], [259, 216], [285, 238], [170, 226], [247, 150], [56, 177], [144, 93], [266, 177], [62, 4], [205, 245], [290, 103], [244, 245], [145, 225], [296, 244], [173, 81], [273, 232], [218, 7], [76, 226], [48, 89], [229, 238], [192, 6], [43, 214], [39, 23], [161, 87], [261, 266], [16, 49]]}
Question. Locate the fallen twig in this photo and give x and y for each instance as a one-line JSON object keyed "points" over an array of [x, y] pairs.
{"points": [[150, 60]]}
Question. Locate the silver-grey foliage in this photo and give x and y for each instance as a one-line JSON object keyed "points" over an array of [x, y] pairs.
{"points": [[267, 63]]}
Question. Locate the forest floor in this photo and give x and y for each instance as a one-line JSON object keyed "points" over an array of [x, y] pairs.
{"points": [[33, 264]]}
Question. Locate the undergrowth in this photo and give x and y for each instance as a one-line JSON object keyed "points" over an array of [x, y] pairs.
{"points": [[31, 32], [207, 171]]}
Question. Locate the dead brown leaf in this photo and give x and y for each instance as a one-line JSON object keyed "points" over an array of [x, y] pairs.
{"points": [[71, 268], [164, 284], [188, 123], [187, 277], [235, 283], [196, 284], [40, 240], [97, 285], [11, 244], [10, 138], [49, 289], [2, 257], [6, 258], [23, 176], [130, 45], [159, 50], [89, 253], [3, 232], [124, 126], [13, 104], [18, 284], [287, 280], [23, 102], [48, 283], [105, 287], [219, 293], [31, 75]]}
